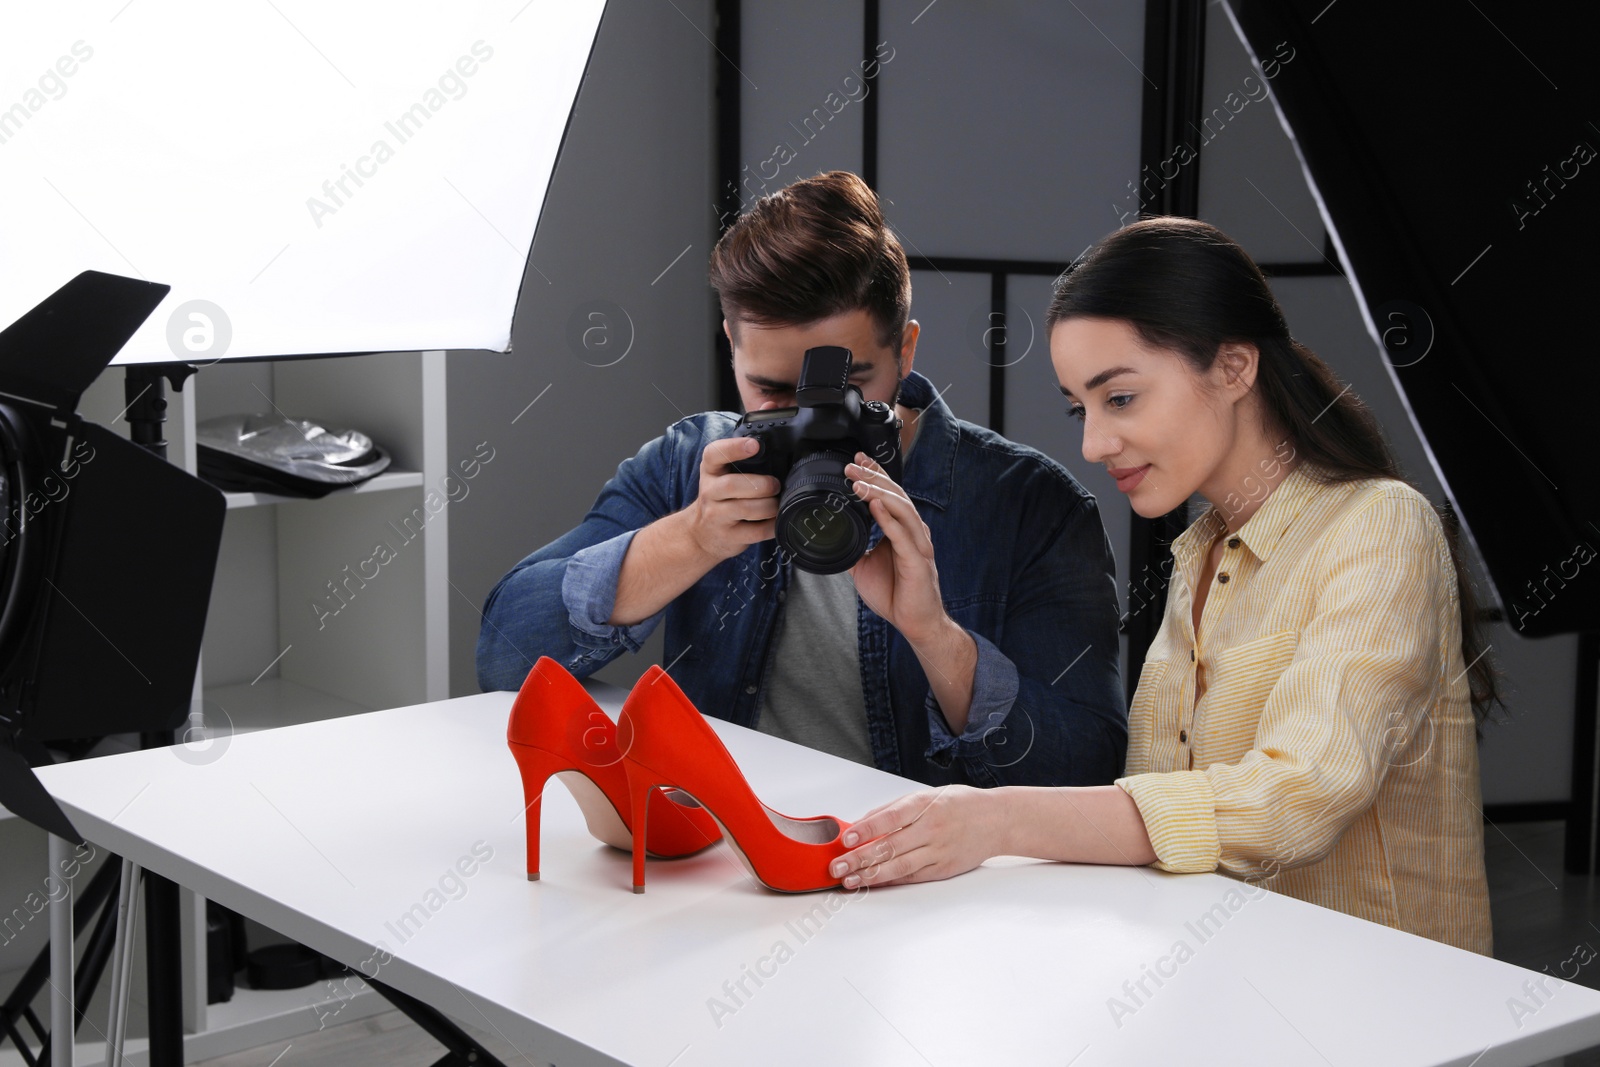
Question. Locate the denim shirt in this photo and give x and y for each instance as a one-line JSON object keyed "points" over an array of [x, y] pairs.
{"points": [[1024, 566]]}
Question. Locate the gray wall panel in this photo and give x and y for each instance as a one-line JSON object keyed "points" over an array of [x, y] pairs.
{"points": [[803, 93], [1009, 129], [943, 304], [1527, 749], [1322, 315], [1251, 183]]}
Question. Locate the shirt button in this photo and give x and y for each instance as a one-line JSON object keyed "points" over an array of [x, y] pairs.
{"points": [[781, 594], [1183, 736], [1191, 655], [750, 689], [1233, 542], [1223, 577]]}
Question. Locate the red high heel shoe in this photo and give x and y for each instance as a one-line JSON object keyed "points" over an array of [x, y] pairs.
{"points": [[667, 742], [557, 729]]}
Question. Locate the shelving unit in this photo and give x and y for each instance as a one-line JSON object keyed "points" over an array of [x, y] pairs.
{"points": [[344, 597], [389, 479], [309, 619]]}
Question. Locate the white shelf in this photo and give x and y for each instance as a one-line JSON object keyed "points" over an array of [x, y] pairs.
{"points": [[389, 479], [257, 1017]]}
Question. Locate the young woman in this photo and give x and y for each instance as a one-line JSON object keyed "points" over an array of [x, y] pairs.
{"points": [[1307, 715]]}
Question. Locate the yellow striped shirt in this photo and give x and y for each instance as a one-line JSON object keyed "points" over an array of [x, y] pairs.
{"points": [[1332, 755]]}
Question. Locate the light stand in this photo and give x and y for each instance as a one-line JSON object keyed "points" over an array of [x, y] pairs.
{"points": [[146, 394]]}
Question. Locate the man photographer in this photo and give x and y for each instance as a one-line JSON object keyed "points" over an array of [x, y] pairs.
{"points": [[975, 642]]}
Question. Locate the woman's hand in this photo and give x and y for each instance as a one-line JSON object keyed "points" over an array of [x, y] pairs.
{"points": [[923, 837]]}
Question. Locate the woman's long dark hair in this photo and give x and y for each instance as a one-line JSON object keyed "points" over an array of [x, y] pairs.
{"points": [[1185, 286]]}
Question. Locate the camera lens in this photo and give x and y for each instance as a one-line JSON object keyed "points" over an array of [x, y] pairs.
{"points": [[821, 523], [818, 528]]}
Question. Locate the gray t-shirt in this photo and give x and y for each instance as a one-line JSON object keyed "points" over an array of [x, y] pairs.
{"points": [[813, 696]]}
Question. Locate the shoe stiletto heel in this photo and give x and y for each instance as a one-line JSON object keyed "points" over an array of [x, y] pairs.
{"points": [[639, 803], [668, 744], [537, 767], [556, 730]]}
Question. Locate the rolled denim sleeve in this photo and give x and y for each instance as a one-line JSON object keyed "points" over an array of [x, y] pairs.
{"points": [[589, 590], [994, 689], [556, 601]]}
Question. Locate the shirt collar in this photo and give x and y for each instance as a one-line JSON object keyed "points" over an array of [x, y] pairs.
{"points": [[930, 468], [1264, 529]]}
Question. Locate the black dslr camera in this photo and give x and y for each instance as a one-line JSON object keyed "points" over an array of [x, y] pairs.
{"points": [[822, 524]]}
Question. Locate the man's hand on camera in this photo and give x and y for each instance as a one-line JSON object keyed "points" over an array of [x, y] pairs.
{"points": [[668, 556], [732, 510], [899, 580]]}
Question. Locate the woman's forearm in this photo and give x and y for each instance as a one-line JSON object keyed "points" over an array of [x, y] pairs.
{"points": [[1091, 824]]}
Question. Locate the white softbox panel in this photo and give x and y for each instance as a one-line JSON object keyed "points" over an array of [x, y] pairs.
{"points": [[310, 177]]}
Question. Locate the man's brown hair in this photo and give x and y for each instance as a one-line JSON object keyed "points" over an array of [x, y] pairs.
{"points": [[815, 249]]}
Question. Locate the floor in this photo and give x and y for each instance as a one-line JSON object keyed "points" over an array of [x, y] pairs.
{"points": [[1544, 919], [390, 1039]]}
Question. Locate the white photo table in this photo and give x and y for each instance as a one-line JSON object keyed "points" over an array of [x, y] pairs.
{"points": [[352, 835]]}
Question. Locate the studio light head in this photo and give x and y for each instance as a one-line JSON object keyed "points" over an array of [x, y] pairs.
{"points": [[106, 550]]}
